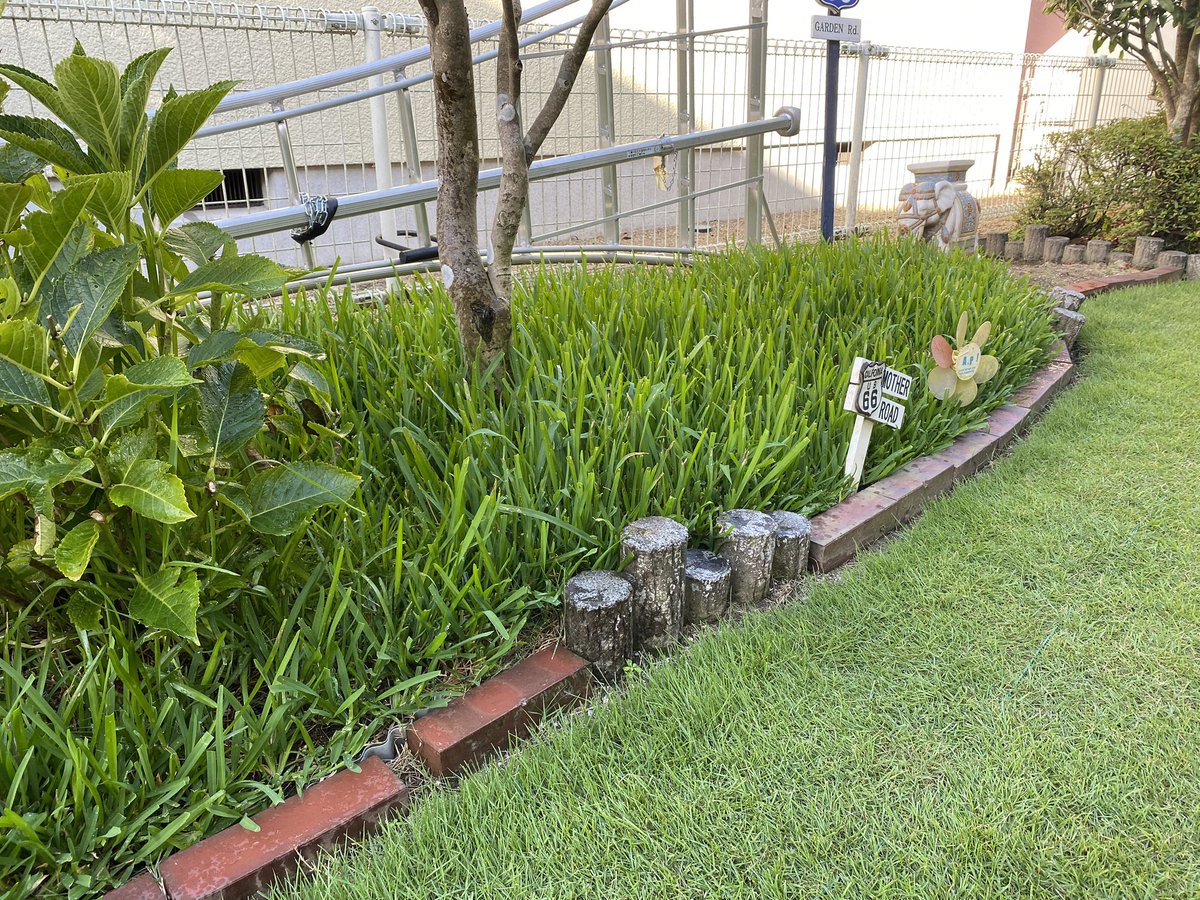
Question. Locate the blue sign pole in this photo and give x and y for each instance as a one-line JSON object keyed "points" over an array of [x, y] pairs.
{"points": [[833, 55]]}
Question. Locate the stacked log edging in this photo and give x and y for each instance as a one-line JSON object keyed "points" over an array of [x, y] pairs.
{"points": [[1038, 246]]}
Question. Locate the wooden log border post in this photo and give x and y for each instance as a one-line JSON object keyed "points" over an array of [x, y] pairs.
{"points": [[869, 383]]}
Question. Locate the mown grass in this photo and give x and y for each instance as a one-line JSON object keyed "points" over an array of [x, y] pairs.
{"points": [[1003, 702]]}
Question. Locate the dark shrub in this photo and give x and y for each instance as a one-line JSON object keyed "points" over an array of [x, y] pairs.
{"points": [[1117, 181]]}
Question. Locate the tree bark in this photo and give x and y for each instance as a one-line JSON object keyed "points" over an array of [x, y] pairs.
{"points": [[484, 319], [482, 297]]}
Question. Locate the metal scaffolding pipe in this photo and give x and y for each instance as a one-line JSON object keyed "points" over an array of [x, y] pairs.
{"points": [[786, 122]]}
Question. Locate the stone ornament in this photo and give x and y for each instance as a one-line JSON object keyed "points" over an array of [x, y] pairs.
{"points": [[936, 205], [963, 367]]}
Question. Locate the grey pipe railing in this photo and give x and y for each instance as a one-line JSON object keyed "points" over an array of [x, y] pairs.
{"points": [[785, 122], [268, 95], [422, 53]]}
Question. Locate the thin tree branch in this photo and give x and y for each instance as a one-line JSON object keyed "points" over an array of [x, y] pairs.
{"points": [[568, 71], [514, 166]]}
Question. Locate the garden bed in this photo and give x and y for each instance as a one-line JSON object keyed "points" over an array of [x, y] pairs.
{"points": [[968, 705], [633, 392]]}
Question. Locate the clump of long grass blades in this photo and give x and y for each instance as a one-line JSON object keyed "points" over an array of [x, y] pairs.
{"points": [[633, 391]]}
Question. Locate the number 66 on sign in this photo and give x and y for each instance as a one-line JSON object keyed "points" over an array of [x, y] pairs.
{"points": [[871, 383]]}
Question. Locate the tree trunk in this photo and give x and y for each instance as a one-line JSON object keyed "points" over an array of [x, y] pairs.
{"points": [[482, 296], [484, 318]]}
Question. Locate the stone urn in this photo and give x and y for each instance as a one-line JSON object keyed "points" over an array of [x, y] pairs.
{"points": [[936, 205]]}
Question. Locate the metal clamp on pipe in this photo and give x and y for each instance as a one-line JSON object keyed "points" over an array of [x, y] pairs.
{"points": [[320, 210]]}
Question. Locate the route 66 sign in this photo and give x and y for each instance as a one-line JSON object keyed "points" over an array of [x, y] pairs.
{"points": [[838, 5], [871, 383]]}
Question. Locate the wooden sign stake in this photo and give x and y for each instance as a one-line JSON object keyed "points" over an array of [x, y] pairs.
{"points": [[869, 382]]}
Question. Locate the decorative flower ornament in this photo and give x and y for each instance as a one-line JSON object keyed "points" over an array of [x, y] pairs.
{"points": [[960, 371]]}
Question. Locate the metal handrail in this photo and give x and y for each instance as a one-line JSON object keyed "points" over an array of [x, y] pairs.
{"points": [[400, 84], [279, 92], [786, 121]]}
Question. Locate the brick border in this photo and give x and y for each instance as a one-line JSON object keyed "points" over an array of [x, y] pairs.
{"points": [[860, 520], [237, 862]]}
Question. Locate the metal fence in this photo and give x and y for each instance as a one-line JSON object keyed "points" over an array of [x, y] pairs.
{"points": [[896, 106]]}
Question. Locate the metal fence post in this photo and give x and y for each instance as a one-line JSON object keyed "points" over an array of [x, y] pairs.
{"points": [[412, 154], [292, 176], [1102, 64], [685, 101], [605, 118], [856, 138], [756, 86], [372, 24]]}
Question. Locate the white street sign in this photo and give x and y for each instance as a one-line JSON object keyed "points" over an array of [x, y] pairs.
{"points": [[869, 382], [889, 413], [836, 28], [897, 384]]}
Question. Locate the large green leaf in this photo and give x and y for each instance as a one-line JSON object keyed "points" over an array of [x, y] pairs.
{"points": [[112, 198], [136, 82], [47, 140], [152, 490], [231, 406], [34, 85], [36, 470], [176, 121], [24, 359], [126, 394], [90, 92], [232, 344], [17, 164], [85, 296], [128, 448], [252, 276], [281, 498], [74, 551], [165, 602], [52, 230], [176, 191], [13, 199], [200, 242]]}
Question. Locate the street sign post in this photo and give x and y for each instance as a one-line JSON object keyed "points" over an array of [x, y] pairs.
{"points": [[826, 28], [871, 386]]}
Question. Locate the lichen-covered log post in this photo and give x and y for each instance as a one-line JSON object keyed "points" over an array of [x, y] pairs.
{"points": [[1098, 251], [792, 532], [747, 541], [1073, 254], [656, 547], [1054, 249], [1145, 252], [1066, 298], [1121, 260], [1171, 259], [1068, 324], [1035, 242], [1014, 250], [598, 613], [993, 243], [708, 578], [1192, 272]]}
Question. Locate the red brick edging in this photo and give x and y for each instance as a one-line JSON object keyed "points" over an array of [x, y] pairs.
{"points": [[238, 862]]}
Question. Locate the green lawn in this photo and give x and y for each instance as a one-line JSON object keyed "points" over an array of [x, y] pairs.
{"points": [[1006, 702]]}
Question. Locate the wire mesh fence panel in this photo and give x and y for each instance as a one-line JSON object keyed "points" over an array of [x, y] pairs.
{"points": [[997, 109]]}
